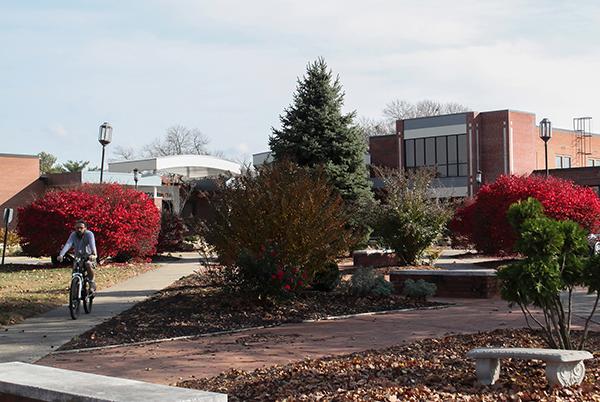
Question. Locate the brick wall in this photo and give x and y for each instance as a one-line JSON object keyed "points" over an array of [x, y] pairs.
{"points": [[490, 126], [20, 182], [477, 287], [385, 151]]}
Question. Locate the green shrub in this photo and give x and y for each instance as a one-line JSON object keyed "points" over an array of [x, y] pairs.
{"points": [[328, 279], [419, 290], [408, 219], [281, 209], [365, 282], [556, 261]]}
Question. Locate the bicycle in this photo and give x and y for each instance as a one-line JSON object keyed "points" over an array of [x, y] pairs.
{"points": [[80, 291]]}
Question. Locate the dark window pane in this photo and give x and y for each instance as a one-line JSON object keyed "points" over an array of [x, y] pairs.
{"points": [[452, 170], [452, 157], [420, 152], [558, 162], [462, 169], [442, 170], [441, 150], [462, 148], [409, 153], [430, 151]]}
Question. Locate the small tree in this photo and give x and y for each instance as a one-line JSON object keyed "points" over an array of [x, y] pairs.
{"points": [[555, 262], [75, 166], [172, 230], [408, 218], [48, 164], [273, 230]]}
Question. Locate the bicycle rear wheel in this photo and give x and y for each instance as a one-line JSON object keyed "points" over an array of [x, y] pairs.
{"points": [[74, 298], [88, 297]]}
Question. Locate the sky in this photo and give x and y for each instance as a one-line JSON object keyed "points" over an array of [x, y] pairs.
{"points": [[229, 68]]}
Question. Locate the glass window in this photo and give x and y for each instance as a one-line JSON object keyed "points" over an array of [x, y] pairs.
{"points": [[566, 162], [419, 152], [409, 153], [558, 162], [452, 154], [590, 162], [430, 151], [462, 169], [452, 170], [462, 148], [440, 146]]}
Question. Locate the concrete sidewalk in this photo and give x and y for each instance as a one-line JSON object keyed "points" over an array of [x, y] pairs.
{"points": [[38, 336]]}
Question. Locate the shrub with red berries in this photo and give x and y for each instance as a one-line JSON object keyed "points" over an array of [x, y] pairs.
{"points": [[482, 221], [125, 221]]}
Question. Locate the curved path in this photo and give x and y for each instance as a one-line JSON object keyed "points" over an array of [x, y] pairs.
{"points": [[38, 336]]}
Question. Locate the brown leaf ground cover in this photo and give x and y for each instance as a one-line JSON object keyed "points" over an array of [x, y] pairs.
{"points": [[428, 370], [28, 290], [198, 304]]}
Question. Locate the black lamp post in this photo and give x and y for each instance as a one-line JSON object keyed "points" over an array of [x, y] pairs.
{"points": [[545, 135], [135, 177], [104, 138]]}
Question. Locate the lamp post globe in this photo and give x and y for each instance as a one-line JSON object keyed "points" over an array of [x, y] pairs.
{"points": [[545, 135], [104, 138], [135, 177]]}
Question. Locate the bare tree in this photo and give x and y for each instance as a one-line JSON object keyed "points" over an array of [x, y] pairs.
{"points": [[372, 127], [124, 153], [179, 140], [401, 109]]}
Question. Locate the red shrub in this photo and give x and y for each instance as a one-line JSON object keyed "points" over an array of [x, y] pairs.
{"points": [[126, 222], [170, 237], [482, 221]]}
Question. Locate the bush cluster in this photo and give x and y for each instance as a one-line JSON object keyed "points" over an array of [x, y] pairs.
{"points": [[408, 219], [275, 228], [366, 282], [482, 221], [125, 221], [419, 290]]}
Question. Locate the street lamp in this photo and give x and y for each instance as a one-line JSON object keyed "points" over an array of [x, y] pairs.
{"points": [[104, 138], [545, 135], [135, 177]]}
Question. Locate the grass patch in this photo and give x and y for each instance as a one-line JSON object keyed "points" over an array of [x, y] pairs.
{"points": [[28, 290]]}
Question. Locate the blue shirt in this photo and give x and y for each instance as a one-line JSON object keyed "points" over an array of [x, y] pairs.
{"points": [[85, 244]]}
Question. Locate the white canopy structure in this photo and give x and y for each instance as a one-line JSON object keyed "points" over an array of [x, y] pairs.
{"points": [[188, 166]]}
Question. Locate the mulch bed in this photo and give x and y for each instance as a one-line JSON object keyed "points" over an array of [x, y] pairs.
{"points": [[428, 370], [197, 304]]}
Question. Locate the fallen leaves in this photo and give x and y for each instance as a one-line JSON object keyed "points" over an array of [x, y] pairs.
{"points": [[428, 370], [197, 304]]}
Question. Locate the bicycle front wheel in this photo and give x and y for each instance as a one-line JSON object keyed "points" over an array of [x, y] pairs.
{"points": [[74, 298], [88, 297]]}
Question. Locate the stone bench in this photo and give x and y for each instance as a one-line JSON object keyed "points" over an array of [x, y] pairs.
{"points": [[563, 367], [22, 382]]}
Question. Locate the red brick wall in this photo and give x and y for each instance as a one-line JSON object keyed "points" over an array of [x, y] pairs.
{"points": [[385, 151], [20, 181], [525, 142], [491, 148]]}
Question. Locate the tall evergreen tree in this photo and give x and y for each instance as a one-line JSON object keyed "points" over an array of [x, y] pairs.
{"points": [[315, 132]]}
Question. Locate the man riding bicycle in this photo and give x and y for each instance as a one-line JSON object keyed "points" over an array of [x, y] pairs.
{"points": [[83, 243]]}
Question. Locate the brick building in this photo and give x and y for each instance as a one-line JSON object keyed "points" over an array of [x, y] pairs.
{"points": [[492, 143], [20, 184]]}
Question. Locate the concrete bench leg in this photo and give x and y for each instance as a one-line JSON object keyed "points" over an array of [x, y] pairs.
{"points": [[487, 370], [565, 374]]}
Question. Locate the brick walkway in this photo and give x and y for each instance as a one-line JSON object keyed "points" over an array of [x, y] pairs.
{"points": [[167, 362]]}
